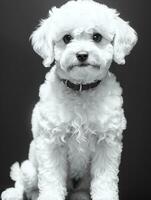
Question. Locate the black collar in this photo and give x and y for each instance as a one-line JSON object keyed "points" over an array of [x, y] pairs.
{"points": [[81, 87]]}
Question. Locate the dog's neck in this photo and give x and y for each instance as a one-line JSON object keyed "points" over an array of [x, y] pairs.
{"points": [[80, 87], [77, 85]]}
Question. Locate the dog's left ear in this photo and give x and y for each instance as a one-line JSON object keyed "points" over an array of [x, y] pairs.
{"points": [[124, 40], [42, 42]]}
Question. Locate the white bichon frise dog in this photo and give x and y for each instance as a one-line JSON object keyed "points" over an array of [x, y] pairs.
{"points": [[78, 122]]}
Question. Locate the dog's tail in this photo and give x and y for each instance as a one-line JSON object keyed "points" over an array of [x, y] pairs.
{"points": [[15, 172]]}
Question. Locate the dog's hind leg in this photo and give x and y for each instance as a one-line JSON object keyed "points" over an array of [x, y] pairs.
{"points": [[29, 179], [25, 177], [16, 192]]}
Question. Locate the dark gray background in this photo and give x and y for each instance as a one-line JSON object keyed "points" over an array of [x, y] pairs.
{"points": [[21, 73]]}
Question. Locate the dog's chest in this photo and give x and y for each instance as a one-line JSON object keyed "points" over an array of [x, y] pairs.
{"points": [[80, 149]]}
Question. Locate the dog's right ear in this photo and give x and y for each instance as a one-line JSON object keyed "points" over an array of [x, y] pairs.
{"points": [[42, 42]]}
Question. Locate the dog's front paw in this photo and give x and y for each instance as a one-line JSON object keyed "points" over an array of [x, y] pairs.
{"points": [[11, 194], [80, 195]]}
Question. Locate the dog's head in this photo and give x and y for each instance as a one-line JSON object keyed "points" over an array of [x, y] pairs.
{"points": [[83, 37]]}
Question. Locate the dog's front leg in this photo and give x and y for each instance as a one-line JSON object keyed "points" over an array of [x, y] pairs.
{"points": [[104, 171], [52, 170]]}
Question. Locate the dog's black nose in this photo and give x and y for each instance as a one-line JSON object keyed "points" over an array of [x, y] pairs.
{"points": [[82, 56]]}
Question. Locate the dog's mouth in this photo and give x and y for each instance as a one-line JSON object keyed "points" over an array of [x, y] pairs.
{"points": [[83, 65]]}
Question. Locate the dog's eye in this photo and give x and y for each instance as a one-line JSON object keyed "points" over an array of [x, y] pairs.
{"points": [[97, 37], [67, 38]]}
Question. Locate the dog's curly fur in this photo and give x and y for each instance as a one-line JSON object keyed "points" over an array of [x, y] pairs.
{"points": [[77, 135]]}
